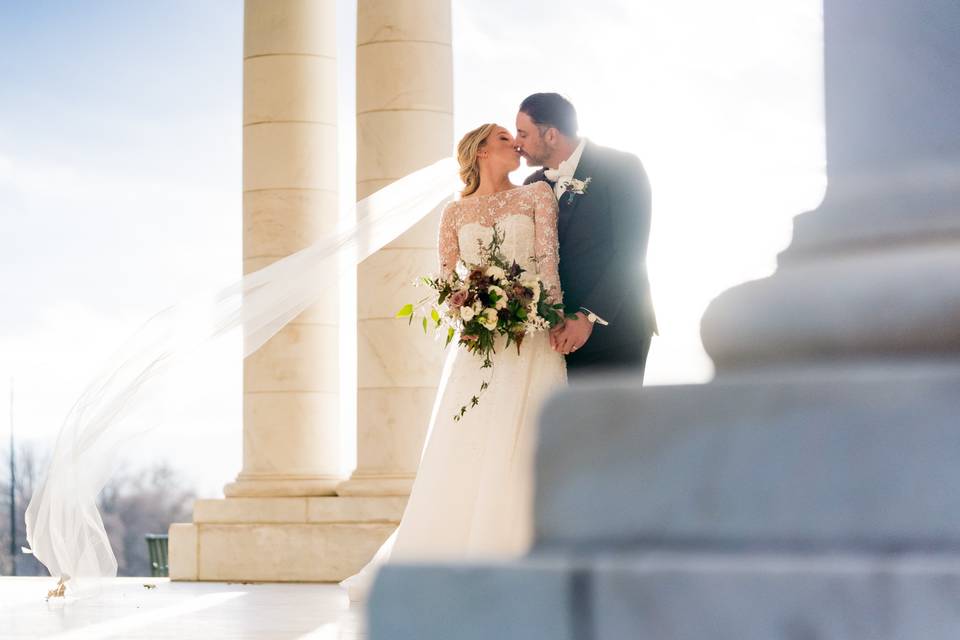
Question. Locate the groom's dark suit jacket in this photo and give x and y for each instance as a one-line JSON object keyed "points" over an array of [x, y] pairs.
{"points": [[603, 256]]}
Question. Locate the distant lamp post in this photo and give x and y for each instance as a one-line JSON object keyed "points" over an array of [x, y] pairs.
{"points": [[13, 495]]}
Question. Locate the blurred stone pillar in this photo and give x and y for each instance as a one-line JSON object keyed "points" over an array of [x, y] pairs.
{"points": [[873, 273], [810, 490], [404, 123]]}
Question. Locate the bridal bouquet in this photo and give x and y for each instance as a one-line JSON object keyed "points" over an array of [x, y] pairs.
{"points": [[495, 299]]}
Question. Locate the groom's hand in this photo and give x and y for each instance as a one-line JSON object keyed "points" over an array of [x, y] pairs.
{"points": [[574, 334]]}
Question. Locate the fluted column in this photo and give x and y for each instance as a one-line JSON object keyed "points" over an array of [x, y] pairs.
{"points": [[291, 439], [404, 122]]}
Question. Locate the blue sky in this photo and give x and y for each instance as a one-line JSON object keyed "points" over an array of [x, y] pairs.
{"points": [[120, 163], [106, 103], [87, 83]]}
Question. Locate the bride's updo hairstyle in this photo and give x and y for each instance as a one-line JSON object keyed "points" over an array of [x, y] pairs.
{"points": [[467, 151]]}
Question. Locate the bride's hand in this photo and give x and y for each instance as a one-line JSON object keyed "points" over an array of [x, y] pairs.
{"points": [[555, 333]]}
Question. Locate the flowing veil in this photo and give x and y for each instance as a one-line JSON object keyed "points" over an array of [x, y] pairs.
{"points": [[64, 528]]}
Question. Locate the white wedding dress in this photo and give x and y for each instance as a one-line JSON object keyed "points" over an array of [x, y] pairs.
{"points": [[472, 497]]}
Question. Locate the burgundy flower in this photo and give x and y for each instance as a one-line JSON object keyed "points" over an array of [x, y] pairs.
{"points": [[457, 298], [522, 293]]}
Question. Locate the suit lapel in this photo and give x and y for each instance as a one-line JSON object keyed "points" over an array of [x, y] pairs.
{"points": [[567, 204]]}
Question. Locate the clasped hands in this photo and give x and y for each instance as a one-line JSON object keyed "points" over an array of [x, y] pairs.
{"points": [[565, 338], [572, 334]]}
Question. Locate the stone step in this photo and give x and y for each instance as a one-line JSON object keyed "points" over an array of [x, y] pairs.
{"points": [[865, 459], [322, 509], [309, 539], [261, 552], [660, 596]]}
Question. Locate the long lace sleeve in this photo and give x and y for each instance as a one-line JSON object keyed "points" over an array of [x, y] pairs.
{"points": [[448, 246], [546, 240]]}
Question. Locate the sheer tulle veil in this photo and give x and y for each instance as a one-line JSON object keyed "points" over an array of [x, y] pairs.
{"points": [[64, 528]]}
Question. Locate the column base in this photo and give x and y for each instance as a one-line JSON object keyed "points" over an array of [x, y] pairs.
{"points": [[316, 539], [281, 486], [376, 485]]}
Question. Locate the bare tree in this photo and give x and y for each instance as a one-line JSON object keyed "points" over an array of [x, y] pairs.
{"points": [[132, 504], [29, 466]]}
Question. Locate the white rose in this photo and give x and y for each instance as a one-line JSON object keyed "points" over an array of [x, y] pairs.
{"points": [[496, 272], [501, 302], [489, 319], [467, 313]]}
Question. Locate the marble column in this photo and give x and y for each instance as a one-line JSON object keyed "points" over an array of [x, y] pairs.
{"points": [[290, 407], [281, 519], [810, 489], [404, 122]]}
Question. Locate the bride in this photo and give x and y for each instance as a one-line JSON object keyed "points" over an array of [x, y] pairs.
{"points": [[472, 497]]}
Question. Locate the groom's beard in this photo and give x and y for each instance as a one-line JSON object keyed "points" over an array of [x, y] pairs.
{"points": [[533, 162]]}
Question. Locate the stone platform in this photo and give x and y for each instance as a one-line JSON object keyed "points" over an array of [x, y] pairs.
{"points": [[126, 609]]}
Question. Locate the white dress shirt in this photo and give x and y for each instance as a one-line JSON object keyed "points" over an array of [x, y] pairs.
{"points": [[562, 175]]}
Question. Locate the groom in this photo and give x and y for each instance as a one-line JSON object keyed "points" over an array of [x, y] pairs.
{"points": [[604, 222]]}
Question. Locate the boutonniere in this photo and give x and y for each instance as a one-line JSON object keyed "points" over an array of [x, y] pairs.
{"points": [[573, 187]]}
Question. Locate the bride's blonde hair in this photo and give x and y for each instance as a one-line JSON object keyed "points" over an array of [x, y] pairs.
{"points": [[467, 151]]}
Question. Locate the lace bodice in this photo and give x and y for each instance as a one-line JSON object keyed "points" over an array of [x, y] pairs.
{"points": [[527, 217]]}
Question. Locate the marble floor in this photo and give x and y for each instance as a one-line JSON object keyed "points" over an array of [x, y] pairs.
{"points": [[130, 608]]}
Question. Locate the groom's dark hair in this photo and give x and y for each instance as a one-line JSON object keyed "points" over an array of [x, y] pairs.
{"points": [[551, 110]]}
